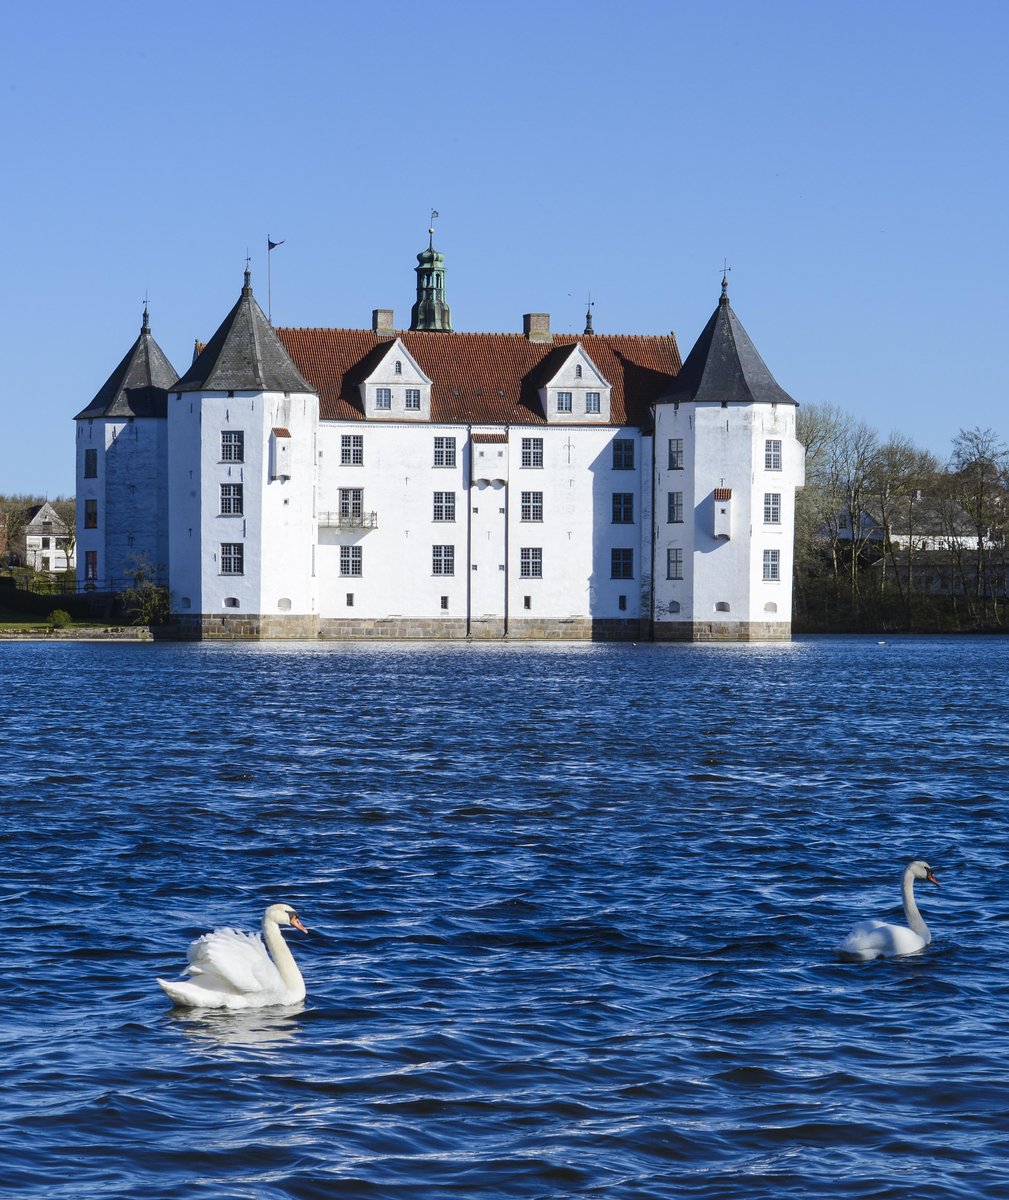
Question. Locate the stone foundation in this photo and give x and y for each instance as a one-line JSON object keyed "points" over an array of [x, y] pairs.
{"points": [[723, 631], [250, 627]]}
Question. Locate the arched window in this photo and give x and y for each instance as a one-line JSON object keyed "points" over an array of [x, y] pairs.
{"points": [[722, 606], [398, 368], [578, 370]]}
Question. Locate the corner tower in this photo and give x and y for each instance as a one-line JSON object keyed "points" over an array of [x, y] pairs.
{"points": [[727, 467], [430, 313], [242, 428]]}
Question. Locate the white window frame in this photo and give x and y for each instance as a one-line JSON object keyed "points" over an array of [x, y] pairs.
{"points": [[532, 506], [531, 562], [383, 398], [352, 450], [674, 562], [351, 503], [674, 508], [232, 445], [677, 456], [443, 560], [444, 451], [565, 402], [593, 402], [232, 500], [532, 452], [351, 561], [444, 506], [772, 508], [772, 454], [232, 558], [412, 400], [772, 566]]}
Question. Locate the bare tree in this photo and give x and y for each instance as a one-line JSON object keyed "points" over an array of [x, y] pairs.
{"points": [[979, 477]]}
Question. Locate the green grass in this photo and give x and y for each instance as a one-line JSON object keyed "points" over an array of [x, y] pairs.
{"points": [[14, 619]]}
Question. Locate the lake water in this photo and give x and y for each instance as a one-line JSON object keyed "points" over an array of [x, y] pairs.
{"points": [[573, 917]]}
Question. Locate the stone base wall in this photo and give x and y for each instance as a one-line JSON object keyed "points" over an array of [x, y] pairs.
{"points": [[723, 631], [252, 626]]}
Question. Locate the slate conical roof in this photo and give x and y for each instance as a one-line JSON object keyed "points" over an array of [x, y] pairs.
{"points": [[724, 365], [139, 386], [244, 355]]}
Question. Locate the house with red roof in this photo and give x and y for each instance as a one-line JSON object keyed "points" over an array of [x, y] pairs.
{"points": [[429, 483]]}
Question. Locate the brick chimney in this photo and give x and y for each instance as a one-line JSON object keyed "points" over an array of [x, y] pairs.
{"points": [[383, 322], [536, 327]]}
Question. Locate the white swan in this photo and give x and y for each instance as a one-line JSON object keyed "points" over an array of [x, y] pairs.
{"points": [[230, 969], [879, 939]]}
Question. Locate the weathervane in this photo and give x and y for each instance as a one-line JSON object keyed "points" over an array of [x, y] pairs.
{"points": [[434, 216]]}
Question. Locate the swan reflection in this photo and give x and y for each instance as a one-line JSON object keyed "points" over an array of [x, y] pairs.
{"points": [[256, 1027]]}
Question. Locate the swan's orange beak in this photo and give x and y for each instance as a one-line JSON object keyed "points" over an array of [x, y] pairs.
{"points": [[296, 922], [932, 879]]}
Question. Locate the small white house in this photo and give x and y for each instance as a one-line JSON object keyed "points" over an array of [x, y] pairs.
{"points": [[47, 543]]}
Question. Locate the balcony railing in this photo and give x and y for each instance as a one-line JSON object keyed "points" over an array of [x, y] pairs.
{"points": [[342, 520]]}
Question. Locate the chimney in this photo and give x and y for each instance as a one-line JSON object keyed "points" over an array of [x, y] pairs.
{"points": [[536, 327], [382, 322]]}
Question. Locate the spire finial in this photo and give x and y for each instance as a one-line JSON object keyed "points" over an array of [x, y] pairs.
{"points": [[247, 288], [588, 316], [146, 327], [434, 216], [725, 281]]}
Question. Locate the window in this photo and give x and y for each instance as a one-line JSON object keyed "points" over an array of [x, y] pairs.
{"points": [[351, 503], [232, 445], [772, 455], [413, 399], [532, 452], [621, 564], [231, 499], [90, 464], [592, 402], [398, 369], [676, 454], [45, 543], [623, 454], [90, 514], [772, 564], [232, 558], [383, 397], [444, 452], [352, 450], [444, 506], [350, 599], [527, 601], [578, 370], [531, 562], [674, 513], [91, 565], [532, 506], [674, 563], [772, 508], [564, 402], [444, 603], [623, 508], [443, 560], [351, 560]]}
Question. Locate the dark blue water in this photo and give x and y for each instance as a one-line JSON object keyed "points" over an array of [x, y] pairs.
{"points": [[573, 910]]}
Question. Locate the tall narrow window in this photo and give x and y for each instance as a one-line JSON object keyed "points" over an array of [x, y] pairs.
{"points": [[351, 504], [90, 464], [532, 506], [623, 454], [398, 369], [564, 402], [623, 508], [351, 560], [444, 451], [352, 450], [231, 499], [383, 397], [578, 370], [531, 562], [443, 560], [674, 563], [91, 565], [444, 506], [772, 565], [621, 564], [772, 508], [772, 454], [676, 456], [90, 514], [232, 445], [674, 501], [592, 402], [232, 558], [532, 452]]}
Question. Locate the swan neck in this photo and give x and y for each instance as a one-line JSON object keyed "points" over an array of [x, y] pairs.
{"points": [[911, 913], [281, 954]]}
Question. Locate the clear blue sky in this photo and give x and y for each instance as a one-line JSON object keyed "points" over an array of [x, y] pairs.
{"points": [[848, 159]]}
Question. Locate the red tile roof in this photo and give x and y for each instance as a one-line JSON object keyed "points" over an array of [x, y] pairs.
{"points": [[281, 432], [723, 493], [484, 378]]}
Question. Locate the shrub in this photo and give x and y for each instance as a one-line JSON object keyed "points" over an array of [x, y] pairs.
{"points": [[59, 618]]}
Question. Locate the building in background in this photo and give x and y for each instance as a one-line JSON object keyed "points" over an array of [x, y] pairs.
{"points": [[427, 483]]}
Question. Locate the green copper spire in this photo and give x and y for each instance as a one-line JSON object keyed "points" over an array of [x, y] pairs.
{"points": [[431, 312]]}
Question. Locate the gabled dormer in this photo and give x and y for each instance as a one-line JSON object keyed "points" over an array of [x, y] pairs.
{"points": [[572, 389], [393, 387]]}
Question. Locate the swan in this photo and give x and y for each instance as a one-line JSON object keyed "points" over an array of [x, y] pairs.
{"points": [[879, 939], [231, 969]]}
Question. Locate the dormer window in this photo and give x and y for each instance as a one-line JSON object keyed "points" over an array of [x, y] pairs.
{"points": [[564, 402], [383, 397], [591, 401], [412, 399]]}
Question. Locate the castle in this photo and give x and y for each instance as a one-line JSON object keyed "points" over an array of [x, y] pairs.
{"points": [[424, 483]]}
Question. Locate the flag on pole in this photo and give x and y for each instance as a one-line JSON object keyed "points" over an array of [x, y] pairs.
{"points": [[273, 245]]}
